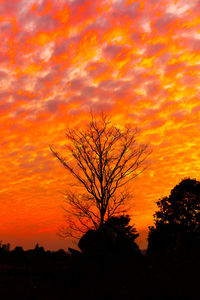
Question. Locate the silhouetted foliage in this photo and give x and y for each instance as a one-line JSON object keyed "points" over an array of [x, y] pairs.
{"points": [[125, 234], [60, 254], [4, 247], [102, 158], [177, 222], [117, 273], [115, 236]]}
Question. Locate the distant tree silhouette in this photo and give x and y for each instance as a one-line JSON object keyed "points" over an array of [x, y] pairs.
{"points": [[177, 222], [18, 254], [103, 158], [115, 236], [39, 249], [4, 247], [4, 252]]}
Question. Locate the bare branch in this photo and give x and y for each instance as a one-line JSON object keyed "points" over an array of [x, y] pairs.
{"points": [[104, 158]]}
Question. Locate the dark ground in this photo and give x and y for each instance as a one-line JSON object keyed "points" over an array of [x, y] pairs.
{"points": [[102, 277]]}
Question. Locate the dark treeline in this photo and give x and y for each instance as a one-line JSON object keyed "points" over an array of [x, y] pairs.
{"points": [[36, 255], [110, 264]]}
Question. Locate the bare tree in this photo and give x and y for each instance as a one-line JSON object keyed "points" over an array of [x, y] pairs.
{"points": [[103, 159]]}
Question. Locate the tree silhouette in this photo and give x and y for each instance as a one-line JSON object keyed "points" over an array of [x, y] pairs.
{"points": [[116, 236], [125, 234], [103, 158], [177, 222]]}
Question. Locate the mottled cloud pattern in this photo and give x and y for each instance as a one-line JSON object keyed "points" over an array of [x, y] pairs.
{"points": [[138, 60]]}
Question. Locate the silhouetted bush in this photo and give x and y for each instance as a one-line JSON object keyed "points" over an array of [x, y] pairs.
{"points": [[59, 255], [18, 254], [116, 236], [176, 233]]}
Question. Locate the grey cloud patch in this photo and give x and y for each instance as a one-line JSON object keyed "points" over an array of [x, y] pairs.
{"points": [[195, 44], [96, 69], [89, 91], [162, 23], [18, 97], [132, 10], [53, 104], [120, 10], [5, 107], [77, 84], [97, 106], [9, 6], [157, 123], [112, 51], [125, 90], [179, 115], [6, 28], [101, 106], [77, 98], [111, 84], [46, 82], [61, 48], [100, 26], [31, 24], [175, 67], [152, 88], [44, 23], [20, 83], [41, 82], [90, 11], [4, 96], [23, 110], [154, 49], [164, 58], [4, 59], [150, 111], [188, 80], [39, 164], [136, 37], [29, 148], [196, 109]]}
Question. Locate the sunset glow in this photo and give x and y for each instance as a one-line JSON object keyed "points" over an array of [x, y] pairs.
{"points": [[137, 60]]}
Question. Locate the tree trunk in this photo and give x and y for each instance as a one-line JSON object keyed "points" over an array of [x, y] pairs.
{"points": [[102, 212]]}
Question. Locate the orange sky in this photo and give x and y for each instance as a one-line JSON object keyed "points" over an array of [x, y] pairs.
{"points": [[139, 60]]}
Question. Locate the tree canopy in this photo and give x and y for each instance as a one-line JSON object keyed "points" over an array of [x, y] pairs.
{"points": [[116, 236], [177, 222], [182, 207]]}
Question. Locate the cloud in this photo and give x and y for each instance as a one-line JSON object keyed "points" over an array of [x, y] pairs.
{"points": [[53, 105], [110, 84], [4, 59], [4, 96], [131, 10], [77, 84], [95, 69], [179, 115], [112, 51], [194, 45], [5, 107], [154, 49], [176, 67], [90, 91], [10, 7], [152, 88], [101, 106], [163, 23], [61, 47]]}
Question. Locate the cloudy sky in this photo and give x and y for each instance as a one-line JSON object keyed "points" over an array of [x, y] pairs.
{"points": [[137, 60]]}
